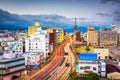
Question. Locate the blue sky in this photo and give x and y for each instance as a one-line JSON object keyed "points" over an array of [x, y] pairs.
{"points": [[96, 11]]}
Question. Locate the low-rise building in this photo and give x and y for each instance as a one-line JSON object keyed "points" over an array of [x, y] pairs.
{"points": [[18, 48], [6, 43], [11, 66], [33, 58], [88, 62], [103, 53], [102, 68]]}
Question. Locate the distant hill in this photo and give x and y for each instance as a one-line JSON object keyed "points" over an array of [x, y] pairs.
{"points": [[10, 21]]}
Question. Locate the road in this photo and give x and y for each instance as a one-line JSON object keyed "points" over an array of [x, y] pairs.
{"points": [[62, 72], [71, 60], [46, 71]]}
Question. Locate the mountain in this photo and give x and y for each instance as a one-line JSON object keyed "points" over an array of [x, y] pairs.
{"points": [[11, 21]]}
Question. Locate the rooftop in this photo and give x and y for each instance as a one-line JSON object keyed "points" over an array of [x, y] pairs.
{"points": [[88, 56], [10, 59]]}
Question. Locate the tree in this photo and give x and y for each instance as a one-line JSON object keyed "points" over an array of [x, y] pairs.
{"points": [[74, 76], [92, 76], [87, 48]]}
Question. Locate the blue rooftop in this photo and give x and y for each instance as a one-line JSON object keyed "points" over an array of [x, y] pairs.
{"points": [[88, 56]]}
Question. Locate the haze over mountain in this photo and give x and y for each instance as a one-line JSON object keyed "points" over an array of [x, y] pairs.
{"points": [[14, 21]]}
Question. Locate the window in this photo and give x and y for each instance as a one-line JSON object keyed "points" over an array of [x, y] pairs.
{"points": [[105, 57], [94, 68], [28, 57], [81, 68], [99, 57]]}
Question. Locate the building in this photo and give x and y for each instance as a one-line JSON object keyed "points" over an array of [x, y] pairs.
{"points": [[32, 29], [102, 68], [92, 37], [103, 53], [85, 37], [52, 36], [39, 42], [88, 62], [59, 35], [7, 43], [108, 37], [118, 38], [3, 35], [78, 36], [11, 66], [18, 48], [56, 35], [33, 58]]}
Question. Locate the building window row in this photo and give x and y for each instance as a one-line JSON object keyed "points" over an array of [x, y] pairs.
{"points": [[11, 64]]}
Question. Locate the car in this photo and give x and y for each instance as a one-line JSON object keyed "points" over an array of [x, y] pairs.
{"points": [[66, 53], [67, 64]]}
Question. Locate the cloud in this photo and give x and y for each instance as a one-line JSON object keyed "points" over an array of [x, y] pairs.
{"points": [[116, 13], [114, 1], [104, 14], [117, 16]]}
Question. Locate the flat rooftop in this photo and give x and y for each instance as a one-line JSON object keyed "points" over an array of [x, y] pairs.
{"points": [[88, 56]]}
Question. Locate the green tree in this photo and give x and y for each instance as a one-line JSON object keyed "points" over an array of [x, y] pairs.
{"points": [[87, 48], [92, 76], [74, 76]]}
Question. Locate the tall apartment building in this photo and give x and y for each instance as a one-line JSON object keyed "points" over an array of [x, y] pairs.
{"points": [[32, 29], [39, 42], [59, 35], [108, 37], [92, 37]]}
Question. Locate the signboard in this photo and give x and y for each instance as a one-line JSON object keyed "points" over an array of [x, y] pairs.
{"points": [[77, 68], [36, 66]]}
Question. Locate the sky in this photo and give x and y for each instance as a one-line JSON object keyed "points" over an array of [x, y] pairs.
{"points": [[101, 11]]}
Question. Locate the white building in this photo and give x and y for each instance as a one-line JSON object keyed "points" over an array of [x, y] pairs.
{"points": [[18, 48], [39, 42], [102, 69], [6, 43], [33, 58], [87, 63]]}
